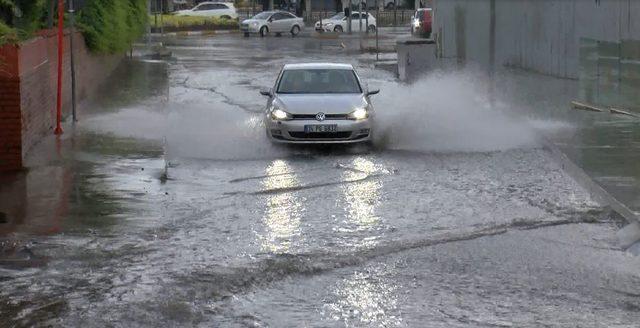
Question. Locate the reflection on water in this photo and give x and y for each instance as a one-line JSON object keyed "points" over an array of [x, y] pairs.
{"points": [[361, 199], [366, 299], [283, 210]]}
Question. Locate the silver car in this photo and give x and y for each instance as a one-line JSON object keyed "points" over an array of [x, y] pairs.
{"points": [[319, 103], [277, 22]]}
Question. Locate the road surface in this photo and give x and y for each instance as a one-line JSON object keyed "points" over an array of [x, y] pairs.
{"points": [[166, 206]]}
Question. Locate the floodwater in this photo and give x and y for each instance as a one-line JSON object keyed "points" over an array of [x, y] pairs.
{"points": [[166, 206]]}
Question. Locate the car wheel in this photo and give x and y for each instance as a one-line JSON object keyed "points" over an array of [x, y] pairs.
{"points": [[225, 17], [372, 28], [263, 31], [295, 30], [338, 29]]}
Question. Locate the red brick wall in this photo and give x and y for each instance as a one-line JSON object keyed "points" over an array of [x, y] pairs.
{"points": [[10, 118], [28, 78]]}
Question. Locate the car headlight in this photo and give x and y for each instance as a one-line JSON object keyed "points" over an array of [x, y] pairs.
{"points": [[359, 114], [328, 24], [254, 23], [416, 23], [279, 115]]}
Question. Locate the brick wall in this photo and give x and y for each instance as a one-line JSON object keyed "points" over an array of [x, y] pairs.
{"points": [[28, 78], [10, 117]]}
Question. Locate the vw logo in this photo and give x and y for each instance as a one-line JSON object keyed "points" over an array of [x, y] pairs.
{"points": [[320, 116]]}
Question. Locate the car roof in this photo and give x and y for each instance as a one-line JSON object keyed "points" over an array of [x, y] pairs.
{"points": [[317, 66], [424, 9], [228, 3]]}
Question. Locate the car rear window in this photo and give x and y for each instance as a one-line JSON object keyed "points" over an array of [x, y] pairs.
{"points": [[319, 81]]}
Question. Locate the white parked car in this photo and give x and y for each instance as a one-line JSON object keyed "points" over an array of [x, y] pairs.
{"points": [[339, 23], [225, 10], [277, 22]]}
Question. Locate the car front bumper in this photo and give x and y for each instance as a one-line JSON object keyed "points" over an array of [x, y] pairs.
{"points": [[249, 28], [325, 28], [347, 131]]}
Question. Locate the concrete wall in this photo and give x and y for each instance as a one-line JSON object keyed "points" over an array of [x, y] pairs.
{"points": [[540, 35], [28, 77]]}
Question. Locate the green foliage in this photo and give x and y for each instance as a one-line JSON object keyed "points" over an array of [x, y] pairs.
{"points": [[191, 21], [20, 18], [7, 34], [32, 15], [110, 26]]}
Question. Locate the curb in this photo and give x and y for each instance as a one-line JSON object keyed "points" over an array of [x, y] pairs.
{"points": [[630, 234]]}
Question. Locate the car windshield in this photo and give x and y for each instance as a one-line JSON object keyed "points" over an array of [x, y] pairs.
{"points": [[337, 16], [263, 15], [319, 81]]}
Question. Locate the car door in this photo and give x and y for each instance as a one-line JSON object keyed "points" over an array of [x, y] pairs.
{"points": [[288, 20], [355, 22], [204, 9], [278, 23], [221, 9]]}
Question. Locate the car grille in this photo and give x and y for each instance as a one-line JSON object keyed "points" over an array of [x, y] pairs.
{"points": [[320, 135], [313, 116]]}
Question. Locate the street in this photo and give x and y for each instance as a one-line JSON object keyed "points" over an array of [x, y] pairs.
{"points": [[176, 210]]}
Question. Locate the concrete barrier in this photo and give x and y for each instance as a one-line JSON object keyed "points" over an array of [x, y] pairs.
{"points": [[415, 57]]}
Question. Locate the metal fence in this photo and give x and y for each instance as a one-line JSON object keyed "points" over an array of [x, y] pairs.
{"points": [[383, 18]]}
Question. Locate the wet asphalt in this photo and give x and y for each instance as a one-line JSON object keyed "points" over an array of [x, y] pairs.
{"points": [[166, 206]]}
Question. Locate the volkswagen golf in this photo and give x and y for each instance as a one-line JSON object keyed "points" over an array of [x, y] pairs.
{"points": [[319, 103]]}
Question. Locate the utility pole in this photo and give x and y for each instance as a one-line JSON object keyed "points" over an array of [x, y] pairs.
{"points": [[377, 50], [73, 66], [395, 13], [58, 129], [349, 17], [360, 15]]}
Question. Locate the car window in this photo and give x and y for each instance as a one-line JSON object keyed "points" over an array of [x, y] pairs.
{"points": [[355, 16], [337, 16], [263, 15], [319, 81], [204, 7], [280, 16], [288, 16], [220, 6]]}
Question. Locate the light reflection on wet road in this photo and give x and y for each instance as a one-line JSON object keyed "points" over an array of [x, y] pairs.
{"points": [[235, 232]]}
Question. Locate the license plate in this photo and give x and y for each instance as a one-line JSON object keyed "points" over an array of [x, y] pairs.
{"points": [[321, 128]]}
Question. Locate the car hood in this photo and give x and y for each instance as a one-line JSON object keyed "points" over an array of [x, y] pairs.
{"points": [[316, 103]]}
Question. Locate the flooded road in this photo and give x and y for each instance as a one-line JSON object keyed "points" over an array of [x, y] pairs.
{"points": [[166, 206]]}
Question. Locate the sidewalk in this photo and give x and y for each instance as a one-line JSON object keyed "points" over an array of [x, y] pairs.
{"points": [[604, 145], [607, 147]]}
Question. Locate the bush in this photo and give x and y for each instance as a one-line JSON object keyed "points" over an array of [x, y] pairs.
{"points": [[191, 21], [7, 34], [110, 26], [20, 18]]}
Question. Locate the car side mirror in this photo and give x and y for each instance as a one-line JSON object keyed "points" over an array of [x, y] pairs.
{"points": [[266, 92], [373, 92]]}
